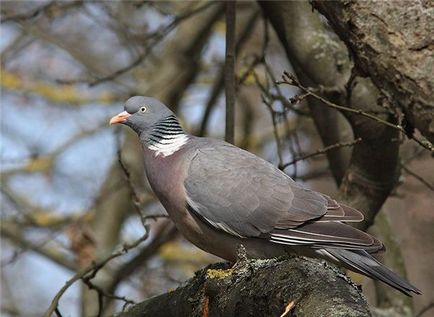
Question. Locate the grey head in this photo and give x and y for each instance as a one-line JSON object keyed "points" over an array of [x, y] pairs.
{"points": [[157, 126], [142, 113]]}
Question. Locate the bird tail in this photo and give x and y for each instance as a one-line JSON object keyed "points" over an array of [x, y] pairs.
{"points": [[362, 262]]}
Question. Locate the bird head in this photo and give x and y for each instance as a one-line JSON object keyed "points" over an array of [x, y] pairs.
{"points": [[141, 113]]}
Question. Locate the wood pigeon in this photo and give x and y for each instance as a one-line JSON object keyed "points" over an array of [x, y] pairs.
{"points": [[220, 196]]}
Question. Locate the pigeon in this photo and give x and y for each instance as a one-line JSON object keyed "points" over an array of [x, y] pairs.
{"points": [[220, 197]]}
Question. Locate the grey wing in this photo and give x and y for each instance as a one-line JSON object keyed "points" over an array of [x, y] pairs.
{"points": [[238, 192], [243, 195]]}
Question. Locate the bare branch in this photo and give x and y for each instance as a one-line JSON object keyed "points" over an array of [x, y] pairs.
{"points": [[103, 293], [289, 79], [164, 233], [91, 271], [425, 309], [370, 31], [51, 253], [153, 39], [220, 78], [230, 72], [417, 176], [27, 15], [43, 163], [126, 172], [219, 291], [320, 151]]}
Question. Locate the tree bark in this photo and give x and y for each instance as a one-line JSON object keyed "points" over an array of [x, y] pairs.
{"points": [[260, 288], [319, 58], [322, 59], [392, 42]]}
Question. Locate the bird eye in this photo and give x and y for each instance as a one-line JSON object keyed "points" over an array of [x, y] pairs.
{"points": [[143, 109]]}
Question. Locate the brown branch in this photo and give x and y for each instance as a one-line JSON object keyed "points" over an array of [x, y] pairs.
{"points": [[262, 288], [45, 162], [35, 12], [319, 58], [425, 309], [154, 39], [212, 100], [418, 177], [320, 151], [220, 78], [399, 63], [274, 121], [127, 175], [55, 255], [92, 270], [166, 232], [230, 71], [290, 79], [103, 293]]}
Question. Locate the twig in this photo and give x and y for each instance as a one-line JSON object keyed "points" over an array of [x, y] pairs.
{"points": [[58, 5], [256, 61], [290, 79], [425, 309], [288, 308], [28, 15], [50, 253], [219, 82], [276, 133], [136, 200], [321, 151], [162, 235], [212, 99], [230, 71], [103, 293], [267, 101], [291, 136], [154, 39], [58, 314], [48, 159], [417, 176], [92, 270], [155, 216], [416, 154]]}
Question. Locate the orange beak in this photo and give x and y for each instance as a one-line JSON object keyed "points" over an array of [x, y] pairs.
{"points": [[120, 118]]}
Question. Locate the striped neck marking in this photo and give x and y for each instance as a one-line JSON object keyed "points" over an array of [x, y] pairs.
{"points": [[166, 137]]}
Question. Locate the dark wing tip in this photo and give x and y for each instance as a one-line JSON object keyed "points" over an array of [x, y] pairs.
{"points": [[362, 262]]}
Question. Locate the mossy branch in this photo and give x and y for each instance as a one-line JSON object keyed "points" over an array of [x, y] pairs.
{"points": [[297, 285]]}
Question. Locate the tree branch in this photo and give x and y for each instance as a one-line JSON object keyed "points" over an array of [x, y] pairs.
{"points": [[50, 253], [317, 59], [247, 28], [320, 59], [260, 288], [90, 271], [321, 151], [398, 62], [230, 71]]}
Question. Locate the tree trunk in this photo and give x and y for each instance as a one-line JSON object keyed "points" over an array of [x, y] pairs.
{"points": [[322, 60], [392, 42]]}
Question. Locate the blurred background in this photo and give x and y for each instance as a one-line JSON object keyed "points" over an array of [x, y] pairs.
{"points": [[66, 201]]}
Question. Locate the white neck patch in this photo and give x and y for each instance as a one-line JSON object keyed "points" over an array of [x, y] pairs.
{"points": [[167, 146]]}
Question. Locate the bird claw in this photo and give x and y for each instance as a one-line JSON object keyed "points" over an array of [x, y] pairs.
{"points": [[241, 257]]}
